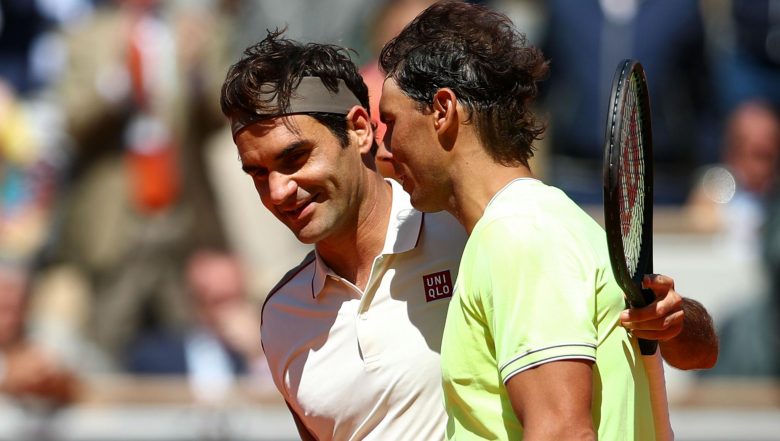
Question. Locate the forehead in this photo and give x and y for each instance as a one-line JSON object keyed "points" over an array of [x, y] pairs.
{"points": [[392, 98], [275, 134]]}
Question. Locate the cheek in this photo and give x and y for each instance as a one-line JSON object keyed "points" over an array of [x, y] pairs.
{"points": [[262, 190], [399, 145], [387, 139], [265, 196]]}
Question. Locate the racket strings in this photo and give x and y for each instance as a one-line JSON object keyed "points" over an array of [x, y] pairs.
{"points": [[631, 186]]}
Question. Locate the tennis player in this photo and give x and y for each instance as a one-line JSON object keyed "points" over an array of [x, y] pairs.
{"points": [[352, 335], [532, 347]]}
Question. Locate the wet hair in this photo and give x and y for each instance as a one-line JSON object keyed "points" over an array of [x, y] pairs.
{"points": [[274, 67], [485, 60]]}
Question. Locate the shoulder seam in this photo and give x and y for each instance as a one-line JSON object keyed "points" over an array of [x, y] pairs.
{"points": [[286, 279]]}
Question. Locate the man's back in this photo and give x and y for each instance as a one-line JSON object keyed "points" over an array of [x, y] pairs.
{"points": [[535, 284]]}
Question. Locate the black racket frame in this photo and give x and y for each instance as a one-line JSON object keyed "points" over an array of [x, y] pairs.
{"points": [[632, 286]]}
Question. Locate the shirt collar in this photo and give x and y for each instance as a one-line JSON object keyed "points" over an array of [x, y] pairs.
{"points": [[403, 234], [405, 226]]}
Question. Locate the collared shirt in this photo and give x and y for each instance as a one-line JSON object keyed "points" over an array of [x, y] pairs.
{"points": [[359, 364]]}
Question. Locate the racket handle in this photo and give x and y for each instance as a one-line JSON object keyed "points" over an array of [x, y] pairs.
{"points": [[648, 347]]}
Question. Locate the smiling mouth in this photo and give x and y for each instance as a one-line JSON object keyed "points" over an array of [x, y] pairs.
{"points": [[295, 213]]}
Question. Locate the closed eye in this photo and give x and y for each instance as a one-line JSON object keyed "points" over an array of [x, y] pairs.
{"points": [[294, 160]]}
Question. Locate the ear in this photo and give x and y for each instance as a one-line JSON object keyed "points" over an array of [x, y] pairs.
{"points": [[359, 124], [445, 114]]}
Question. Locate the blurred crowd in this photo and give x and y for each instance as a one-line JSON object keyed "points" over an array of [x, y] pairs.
{"points": [[130, 242]]}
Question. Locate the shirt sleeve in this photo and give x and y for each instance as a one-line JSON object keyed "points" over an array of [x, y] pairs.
{"points": [[538, 294]]}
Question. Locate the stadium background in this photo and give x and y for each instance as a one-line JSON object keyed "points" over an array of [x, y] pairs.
{"points": [[118, 177]]}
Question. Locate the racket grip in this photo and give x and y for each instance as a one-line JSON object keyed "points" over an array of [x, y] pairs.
{"points": [[648, 347]]}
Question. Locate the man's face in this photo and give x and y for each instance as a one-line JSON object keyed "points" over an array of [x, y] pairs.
{"points": [[754, 151], [412, 140], [303, 175]]}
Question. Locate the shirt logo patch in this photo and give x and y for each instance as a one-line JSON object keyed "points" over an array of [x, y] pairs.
{"points": [[437, 286]]}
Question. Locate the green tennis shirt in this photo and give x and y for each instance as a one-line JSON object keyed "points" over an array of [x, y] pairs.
{"points": [[535, 286]]}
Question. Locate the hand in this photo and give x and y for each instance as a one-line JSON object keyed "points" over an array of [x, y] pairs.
{"points": [[661, 320], [31, 371]]}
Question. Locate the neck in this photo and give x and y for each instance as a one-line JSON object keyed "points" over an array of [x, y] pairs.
{"points": [[477, 178], [351, 254]]}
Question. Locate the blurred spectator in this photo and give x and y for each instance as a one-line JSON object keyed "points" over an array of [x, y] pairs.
{"points": [[769, 342], [750, 336], [730, 200], [39, 359], [585, 41], [22, 24], [223, 339], [736, 202], [771, 254], [748, 58], [332, 21], [28, 371], [32, 161], [138, 198]]}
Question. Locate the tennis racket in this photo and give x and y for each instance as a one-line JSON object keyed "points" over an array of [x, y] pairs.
{"points": [[628, 186]]}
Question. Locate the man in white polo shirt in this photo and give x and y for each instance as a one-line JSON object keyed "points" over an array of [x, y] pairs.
{"points": [[352, 335]]}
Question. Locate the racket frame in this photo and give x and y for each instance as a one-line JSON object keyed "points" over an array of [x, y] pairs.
{"points": [[631, 285]]}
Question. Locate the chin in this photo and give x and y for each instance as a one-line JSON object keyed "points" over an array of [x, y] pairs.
{"points": [[307, 237], [420, 203], [311, 234]]}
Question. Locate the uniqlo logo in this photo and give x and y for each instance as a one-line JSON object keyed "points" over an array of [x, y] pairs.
{"points": [[437, 285]]}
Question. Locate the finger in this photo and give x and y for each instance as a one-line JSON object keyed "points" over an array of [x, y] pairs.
{"points": [[652, 311], [657, 282], [668, 303], [659, 324], [659, 329], [663, 335]]}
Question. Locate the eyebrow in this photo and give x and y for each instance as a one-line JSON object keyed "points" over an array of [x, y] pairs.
{"points": [[250, 169]]}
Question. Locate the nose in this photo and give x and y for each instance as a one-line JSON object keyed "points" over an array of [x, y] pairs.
{"points": [[386, 144], [281, 187], [383, 153]]}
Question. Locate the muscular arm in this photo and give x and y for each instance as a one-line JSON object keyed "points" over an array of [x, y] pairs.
{"points": [[553, 401], [682, 326], [696, 346]]}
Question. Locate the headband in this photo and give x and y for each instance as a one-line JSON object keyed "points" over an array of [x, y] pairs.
{"points": [[311, 95]]}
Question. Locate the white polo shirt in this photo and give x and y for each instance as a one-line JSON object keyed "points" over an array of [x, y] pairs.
{"points": [[365, 365]]}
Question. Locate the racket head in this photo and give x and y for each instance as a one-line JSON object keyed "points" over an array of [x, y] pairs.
{"points": [[628, 181]]}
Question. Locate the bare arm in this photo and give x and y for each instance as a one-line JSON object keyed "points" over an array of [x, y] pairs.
{"points": [[553, 401], [696, 346], [682, 326]]}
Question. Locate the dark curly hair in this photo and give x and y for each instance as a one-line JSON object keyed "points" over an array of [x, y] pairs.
{"points": [[484, 59], [274, 67]]}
